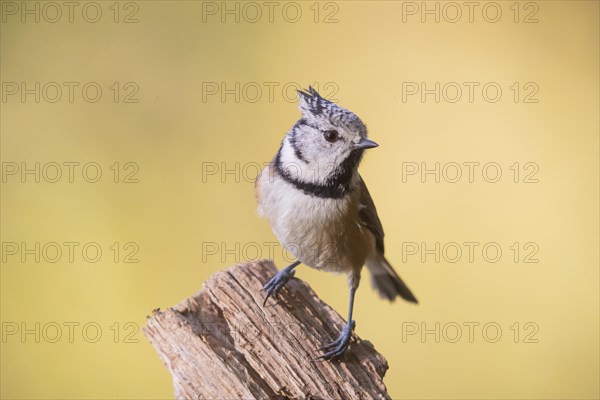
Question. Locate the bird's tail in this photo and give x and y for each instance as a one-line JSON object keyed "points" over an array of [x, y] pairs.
{"points": [[386, 281]]}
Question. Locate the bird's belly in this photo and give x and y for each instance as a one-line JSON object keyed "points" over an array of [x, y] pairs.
{"points": [[320, 232]]}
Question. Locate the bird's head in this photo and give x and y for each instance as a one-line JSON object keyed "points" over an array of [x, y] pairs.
{"points": [[327, 142]]}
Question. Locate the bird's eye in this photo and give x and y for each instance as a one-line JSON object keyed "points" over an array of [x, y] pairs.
{"points": [[331, 135]]}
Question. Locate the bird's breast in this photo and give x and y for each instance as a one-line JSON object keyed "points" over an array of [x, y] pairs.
{"points": [[321, 232]]}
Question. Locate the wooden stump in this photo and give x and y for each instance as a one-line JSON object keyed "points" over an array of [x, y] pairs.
{"points": [[222, 343]]}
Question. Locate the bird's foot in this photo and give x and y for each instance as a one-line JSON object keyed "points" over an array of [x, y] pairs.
{"points": [[277, 282], [335, 349]]}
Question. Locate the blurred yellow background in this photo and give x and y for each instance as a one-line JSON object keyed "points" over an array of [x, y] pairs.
{"points": [[192, 101]]}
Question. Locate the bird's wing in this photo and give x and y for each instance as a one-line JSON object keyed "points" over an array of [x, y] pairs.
{"points": [[368, 215]]}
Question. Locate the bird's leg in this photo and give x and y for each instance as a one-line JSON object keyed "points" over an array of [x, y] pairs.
{"points": [[278, 281], [335, 349]]}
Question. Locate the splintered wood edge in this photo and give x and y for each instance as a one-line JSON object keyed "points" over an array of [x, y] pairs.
{"points": [[223, 342]]}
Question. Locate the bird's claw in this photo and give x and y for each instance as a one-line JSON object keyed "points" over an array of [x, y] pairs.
{"points": [[335, 349], [276, 283]]}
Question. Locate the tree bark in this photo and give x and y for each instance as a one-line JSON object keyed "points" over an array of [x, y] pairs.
{"points": [[222, 343]]}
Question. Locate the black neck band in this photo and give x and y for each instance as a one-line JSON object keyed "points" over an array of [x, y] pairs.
{"points": [[335, 187]]}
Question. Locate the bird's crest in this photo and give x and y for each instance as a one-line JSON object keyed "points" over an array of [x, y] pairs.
{"points": [[316, 107], [312, 102]]}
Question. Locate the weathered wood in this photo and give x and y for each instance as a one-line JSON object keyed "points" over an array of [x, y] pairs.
{"points": [[222, 343]]}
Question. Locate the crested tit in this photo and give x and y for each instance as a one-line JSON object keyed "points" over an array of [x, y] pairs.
{"points": [[320, 209]]}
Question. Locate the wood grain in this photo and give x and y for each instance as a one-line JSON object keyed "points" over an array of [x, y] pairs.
{"points": [[222, 343]]}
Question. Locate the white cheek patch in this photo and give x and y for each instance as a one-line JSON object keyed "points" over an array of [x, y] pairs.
{"points": [[315, 168]]}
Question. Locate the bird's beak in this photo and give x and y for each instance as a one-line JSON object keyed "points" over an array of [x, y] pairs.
{"points": [[365, 144]]}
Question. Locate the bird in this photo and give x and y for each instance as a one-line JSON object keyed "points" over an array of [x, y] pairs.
{"points": [[320, 209]]}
